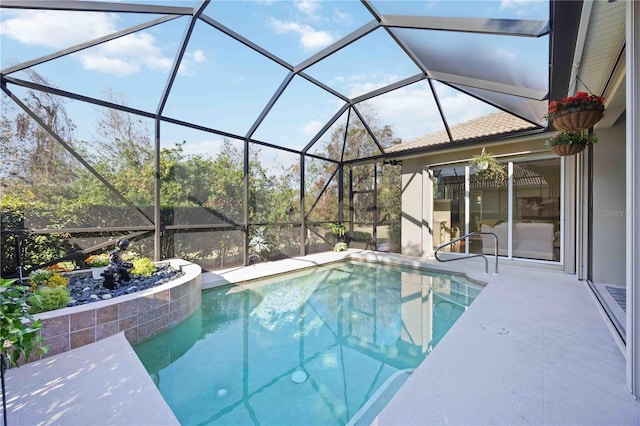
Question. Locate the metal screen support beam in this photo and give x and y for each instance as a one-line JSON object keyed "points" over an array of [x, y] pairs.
{"points": [[633, 199], [340, 193], [157, 234], [245, 200], [351, 211], [303, 218], [375, 205]]}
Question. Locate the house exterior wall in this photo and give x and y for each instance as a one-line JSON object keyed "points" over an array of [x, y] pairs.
{"points": [[609, 205], [412, 214]]}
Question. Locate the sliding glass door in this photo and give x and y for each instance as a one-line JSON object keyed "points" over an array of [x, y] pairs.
{"points": [[523, 211]]}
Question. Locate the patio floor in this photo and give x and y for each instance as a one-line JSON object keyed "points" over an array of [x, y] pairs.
{"points": [[532, 349]]}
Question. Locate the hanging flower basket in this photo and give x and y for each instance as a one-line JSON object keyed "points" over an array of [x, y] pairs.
{"points": [[570, 143], [580, 118], [568, 149], [486, 167], [578, 112]]}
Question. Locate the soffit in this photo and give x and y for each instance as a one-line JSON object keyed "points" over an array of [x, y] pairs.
{"points": [[603, 48]]}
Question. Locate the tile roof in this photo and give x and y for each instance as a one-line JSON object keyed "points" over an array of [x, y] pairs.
{"points": [[490, 125]]}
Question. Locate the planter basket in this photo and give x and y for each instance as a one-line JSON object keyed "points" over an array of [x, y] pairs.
{"points": [[568, 148], [577, 118]]}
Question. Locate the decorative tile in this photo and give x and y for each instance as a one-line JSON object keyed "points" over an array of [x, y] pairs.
{"points": [[106, 330], [107, 314], [82, 337], [82, 320], [55, 326]]}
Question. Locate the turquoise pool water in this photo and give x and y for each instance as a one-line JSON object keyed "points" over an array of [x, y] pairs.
{"points": [[325, 347]]}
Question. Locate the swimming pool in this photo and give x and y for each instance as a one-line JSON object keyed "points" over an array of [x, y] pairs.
{"points": [[321, 347]]}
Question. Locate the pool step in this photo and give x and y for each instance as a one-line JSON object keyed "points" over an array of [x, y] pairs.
{"points": [[381, 398]]}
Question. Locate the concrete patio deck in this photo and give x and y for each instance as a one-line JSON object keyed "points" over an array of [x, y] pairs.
{"points": [[532, 349]]}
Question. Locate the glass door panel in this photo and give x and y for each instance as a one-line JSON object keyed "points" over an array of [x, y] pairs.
{"points": [[536, 209], [449, 207], [488, 212]]}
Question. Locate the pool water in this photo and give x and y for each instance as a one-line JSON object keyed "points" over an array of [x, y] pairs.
{"points": [[323, 347]]}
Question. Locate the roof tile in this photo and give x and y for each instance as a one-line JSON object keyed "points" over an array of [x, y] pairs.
{"points": [[489, 125]]}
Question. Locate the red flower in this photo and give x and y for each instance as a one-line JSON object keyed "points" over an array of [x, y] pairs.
{"points": [[580, 100]]}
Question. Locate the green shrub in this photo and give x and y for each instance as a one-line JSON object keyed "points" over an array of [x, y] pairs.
{"points": [[49, 299], [17, 337], [40, 277], [144, 266]]}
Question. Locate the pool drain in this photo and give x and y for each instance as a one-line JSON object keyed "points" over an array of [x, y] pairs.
{"points": [[299, 377], [222, 392]]}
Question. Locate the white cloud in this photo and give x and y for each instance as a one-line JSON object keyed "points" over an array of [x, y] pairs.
{"points": [[204, 147], [123, 56], [198, 56], [57, 29], [114, 65], [312, 128], [189, 60], [310, 39], [342, 17], [308, 7]]}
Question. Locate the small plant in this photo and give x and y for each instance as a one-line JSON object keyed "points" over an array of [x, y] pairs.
{"points": [[97, 260], [144, 266], [259, 245], [39, 277], [488, 168], [49, 299], [43, 277], [18, 330], [57, 280], [341, 246], [338, 228], [570, 138]]}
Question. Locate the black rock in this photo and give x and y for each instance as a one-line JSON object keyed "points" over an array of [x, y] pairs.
{"points": [[85, 289]]}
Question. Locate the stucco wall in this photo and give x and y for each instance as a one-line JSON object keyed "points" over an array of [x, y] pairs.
{"points": [[412, 215], [609, 215]]}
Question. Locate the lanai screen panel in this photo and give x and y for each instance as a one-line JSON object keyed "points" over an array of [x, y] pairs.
{"points": [[198, 80]]}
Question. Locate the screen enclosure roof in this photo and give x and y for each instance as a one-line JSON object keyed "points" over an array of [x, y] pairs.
{"points": [[284, 74]]}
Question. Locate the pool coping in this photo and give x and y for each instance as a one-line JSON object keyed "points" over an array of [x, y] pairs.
{"points": [[244, 275]]}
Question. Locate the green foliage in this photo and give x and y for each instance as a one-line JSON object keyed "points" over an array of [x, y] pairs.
{"points": [[57, 280], [338, 228], [18, 338], [49, 299], [144, 266], [40, 277], [259, 244], [97, 260], [51, 189], [488, 168], [48, 278], [569, 138]]}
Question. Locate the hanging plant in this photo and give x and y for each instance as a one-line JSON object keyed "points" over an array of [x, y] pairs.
{"points": [[486, 167], [570, 143], [578, 112]]}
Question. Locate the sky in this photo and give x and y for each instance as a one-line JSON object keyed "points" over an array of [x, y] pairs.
{"points": [[224, 85]]}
